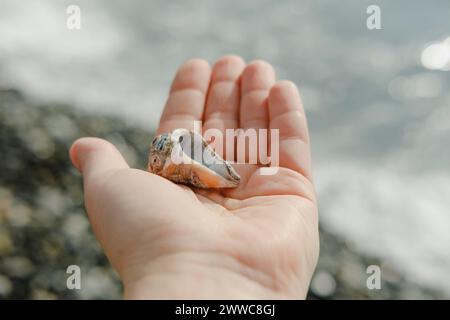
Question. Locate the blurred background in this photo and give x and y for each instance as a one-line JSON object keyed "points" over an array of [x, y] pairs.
{"points": [[378, 104]]}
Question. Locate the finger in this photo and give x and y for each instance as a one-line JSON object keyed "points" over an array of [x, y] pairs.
{"points": [[222, 107], [286, 114], [93, 157], [187, 96], [257, 79]]}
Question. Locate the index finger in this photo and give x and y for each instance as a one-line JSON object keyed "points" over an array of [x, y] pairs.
{"points": [[187, 96]]}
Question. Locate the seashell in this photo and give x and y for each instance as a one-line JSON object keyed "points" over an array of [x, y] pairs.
{"points": [[183, 156]]}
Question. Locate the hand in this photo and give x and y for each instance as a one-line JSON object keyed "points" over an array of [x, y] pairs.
{"points": [[165, 240]]}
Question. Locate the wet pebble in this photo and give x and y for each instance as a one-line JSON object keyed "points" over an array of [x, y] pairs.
{"points": [[19, 267], [6, 286]]}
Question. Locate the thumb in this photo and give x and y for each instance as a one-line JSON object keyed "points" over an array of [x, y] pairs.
{"points": [[93, 156]]}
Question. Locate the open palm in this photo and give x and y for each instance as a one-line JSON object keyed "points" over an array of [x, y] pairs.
{"points": [[259, 240]]}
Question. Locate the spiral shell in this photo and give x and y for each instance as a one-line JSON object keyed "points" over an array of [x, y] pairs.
{"points": [[183, 156]]}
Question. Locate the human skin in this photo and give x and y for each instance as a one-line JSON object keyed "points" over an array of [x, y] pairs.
{"points": [[168, 241]]}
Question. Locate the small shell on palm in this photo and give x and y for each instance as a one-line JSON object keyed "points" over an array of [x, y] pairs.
{"points": [[183, 156]]}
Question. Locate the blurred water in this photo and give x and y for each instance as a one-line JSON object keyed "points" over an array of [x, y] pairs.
{"points": [[380, 121]]}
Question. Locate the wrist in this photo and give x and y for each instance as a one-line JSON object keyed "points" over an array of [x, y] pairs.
{"points": [[199, 276]]}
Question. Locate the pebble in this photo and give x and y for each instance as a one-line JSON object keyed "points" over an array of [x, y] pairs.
{"points": [[323, 284], [5, 242], [19, 267], [19, 215], [6, 286]]}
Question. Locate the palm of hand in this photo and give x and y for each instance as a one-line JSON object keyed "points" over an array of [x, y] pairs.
{"points": [[265, 230]]}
